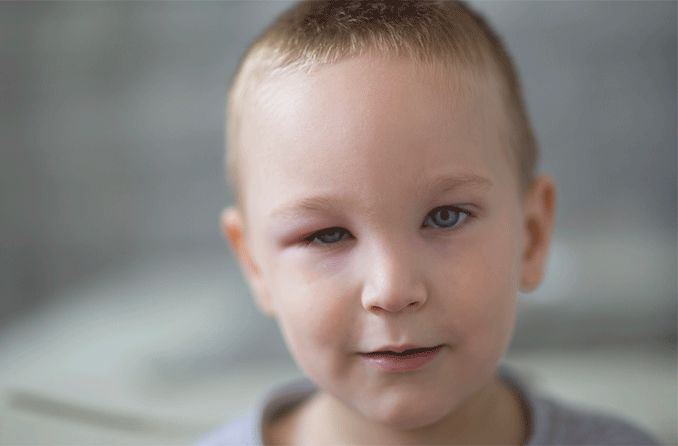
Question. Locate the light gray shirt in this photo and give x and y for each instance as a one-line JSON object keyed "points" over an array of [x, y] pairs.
{"points": [[552, 422]]}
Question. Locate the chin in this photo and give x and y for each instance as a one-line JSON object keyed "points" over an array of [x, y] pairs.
{"points": [[406, 414]]}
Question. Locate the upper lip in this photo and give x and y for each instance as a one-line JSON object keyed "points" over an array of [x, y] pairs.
{"points": [[399, 348]]}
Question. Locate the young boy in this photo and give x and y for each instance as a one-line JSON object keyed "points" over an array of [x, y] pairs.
{"points": [[387, 212]]}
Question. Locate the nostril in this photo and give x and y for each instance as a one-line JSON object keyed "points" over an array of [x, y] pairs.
{"points": [[393, 299]]}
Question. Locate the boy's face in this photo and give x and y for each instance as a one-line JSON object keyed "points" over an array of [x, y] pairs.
{"points": [[431, 239]]}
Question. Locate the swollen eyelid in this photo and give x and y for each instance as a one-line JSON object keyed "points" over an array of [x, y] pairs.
{"points": [[329, 236]]}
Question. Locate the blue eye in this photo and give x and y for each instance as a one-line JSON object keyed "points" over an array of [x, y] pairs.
{"points": [[328, 236], [446, 217]]}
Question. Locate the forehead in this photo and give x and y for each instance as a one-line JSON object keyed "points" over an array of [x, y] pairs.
{"points": [[365, 125]]}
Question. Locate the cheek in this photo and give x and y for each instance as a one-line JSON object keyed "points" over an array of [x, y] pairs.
{"points": [[482, 293], [315, 317]]}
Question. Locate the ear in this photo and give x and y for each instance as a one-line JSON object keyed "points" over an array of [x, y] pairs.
{"points": [[539, 215], [232, 225]]}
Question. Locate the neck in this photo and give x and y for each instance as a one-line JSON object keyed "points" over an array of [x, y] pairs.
{"points": [[493, 415]]}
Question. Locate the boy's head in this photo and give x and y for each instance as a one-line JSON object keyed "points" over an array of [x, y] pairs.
{"points": [[382, 162], [443, 35]]}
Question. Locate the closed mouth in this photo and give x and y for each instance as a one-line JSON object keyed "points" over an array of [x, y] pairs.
{"points": [[410, 352]]}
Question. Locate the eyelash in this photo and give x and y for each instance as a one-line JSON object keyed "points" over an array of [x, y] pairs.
{"points": [[310, 239]]}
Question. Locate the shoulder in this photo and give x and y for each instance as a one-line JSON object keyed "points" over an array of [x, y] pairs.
{"points": [[239, 431], [249, 429], [559, 422]]}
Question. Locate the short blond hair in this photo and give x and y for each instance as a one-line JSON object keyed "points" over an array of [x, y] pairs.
{"points": [[318, 32]]}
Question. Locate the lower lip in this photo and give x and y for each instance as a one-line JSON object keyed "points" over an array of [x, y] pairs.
{"points": [[393, 363]]}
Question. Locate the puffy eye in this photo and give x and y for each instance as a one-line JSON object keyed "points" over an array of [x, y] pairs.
{"points": [[328, 236], [446, 217]]}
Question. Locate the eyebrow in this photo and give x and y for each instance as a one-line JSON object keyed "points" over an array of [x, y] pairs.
{"points": [[445, 183], [308, 204], [440, 184]]}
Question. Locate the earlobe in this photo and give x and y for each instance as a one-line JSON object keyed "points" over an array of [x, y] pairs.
{"points": [[232, 225], [539, 219]]}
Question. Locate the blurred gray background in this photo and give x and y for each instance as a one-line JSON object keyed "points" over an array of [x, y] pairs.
{"points": [[115, 281]]}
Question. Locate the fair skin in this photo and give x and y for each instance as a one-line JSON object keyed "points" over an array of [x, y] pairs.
{"points": [[414, 257]]}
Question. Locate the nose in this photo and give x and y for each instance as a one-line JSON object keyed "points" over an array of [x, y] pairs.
{"points": [[393, 281]]}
